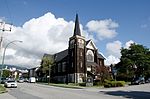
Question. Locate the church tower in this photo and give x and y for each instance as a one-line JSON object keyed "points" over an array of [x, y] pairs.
{"points": [[76, 52]]}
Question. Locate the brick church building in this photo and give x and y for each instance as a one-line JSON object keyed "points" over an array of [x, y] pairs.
{"points": [[77, 63]]}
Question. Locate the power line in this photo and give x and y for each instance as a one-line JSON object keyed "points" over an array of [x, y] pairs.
{"points": [[9, 12]]}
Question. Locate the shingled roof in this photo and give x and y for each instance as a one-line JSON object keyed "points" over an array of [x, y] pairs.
{"points": [[60, 55], [100, 56]]}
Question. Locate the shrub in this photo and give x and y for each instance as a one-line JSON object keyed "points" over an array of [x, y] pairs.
{"points": [[97, 83], [108, 83], [120, 83], [82, 84]]}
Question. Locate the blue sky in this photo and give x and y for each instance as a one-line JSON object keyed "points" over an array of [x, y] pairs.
{"points": [[132, 16]]}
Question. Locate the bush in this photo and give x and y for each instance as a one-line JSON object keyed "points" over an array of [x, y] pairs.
{"points": [[82, 84], [120, 83], [97, 83], [108, 83]]}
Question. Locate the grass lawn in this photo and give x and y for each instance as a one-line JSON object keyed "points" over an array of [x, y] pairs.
{"points": [[2, 89]]}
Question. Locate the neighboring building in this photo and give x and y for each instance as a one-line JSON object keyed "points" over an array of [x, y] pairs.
{"points": [[16, 71], [32, 72], [80, 61]]}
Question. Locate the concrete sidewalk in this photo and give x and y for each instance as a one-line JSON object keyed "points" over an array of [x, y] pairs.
{"points": [[6, 96]]}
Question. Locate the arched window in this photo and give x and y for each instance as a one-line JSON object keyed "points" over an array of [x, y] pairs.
{"points": [[90, 56]]}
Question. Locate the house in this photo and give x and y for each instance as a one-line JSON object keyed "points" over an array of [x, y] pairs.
{"points": [[79, 62], [32, 72]]}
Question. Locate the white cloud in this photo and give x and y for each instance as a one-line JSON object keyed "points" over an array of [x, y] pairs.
{"points": [[128, 44], [114, 51], [111, 60], [10, 51], [114, 48], [104, 29], [46, 34]]}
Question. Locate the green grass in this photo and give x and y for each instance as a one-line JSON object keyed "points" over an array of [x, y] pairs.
{"points": [[2, 89]]}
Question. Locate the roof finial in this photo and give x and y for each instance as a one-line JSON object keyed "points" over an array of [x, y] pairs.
{"points": [[77, 27]]}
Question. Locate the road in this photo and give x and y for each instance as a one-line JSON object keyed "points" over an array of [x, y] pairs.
{"points": [[38, 91]]}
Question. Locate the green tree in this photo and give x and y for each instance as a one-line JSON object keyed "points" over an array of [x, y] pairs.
{"points": [[6, 73], [46, 64], [134, 61]]}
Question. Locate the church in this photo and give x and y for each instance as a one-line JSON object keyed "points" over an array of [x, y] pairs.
{"points": [[80, 61]]}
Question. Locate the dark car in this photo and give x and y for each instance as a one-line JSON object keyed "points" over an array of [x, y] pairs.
{"points": [[3, 80], [147, 80], [138, 80]]}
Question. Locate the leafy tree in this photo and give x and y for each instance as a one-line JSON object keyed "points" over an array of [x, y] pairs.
{"points": [[46, 63], [6, 73], [135, 61]]}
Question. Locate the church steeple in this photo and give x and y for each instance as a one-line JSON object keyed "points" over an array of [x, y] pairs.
{"points": [[77, 27]]}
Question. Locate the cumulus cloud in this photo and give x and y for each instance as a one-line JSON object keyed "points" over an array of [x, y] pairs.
{"points": [[114, 51], [113, 48], [45, 34], [104, 29], [128, 44], [111, 60]]}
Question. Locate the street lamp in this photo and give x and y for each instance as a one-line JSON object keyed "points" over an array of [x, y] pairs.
{"points": [[3, 57]]}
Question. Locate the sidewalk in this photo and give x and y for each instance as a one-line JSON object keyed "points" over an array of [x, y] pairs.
{"points": [[6, 96]]}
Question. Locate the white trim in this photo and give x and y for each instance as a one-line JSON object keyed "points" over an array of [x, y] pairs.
{"points": [[92, 43]]}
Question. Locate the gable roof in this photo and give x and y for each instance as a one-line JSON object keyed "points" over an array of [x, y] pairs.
{"points": [[87, 42], [90, 44], [47, 55], [100, 56], [60, 55]]}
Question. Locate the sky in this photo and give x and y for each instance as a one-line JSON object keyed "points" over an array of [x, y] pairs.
{"points": [[45, 26]]}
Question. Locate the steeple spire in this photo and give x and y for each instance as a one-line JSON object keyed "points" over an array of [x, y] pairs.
{"points": [[77, 27]]}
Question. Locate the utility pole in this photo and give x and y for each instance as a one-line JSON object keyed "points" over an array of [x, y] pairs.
{"points": [[2, 30]]}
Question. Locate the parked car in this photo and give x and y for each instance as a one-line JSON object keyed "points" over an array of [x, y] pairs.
{"points": [[147, 80], [32, 79], [3, 80], [11, 84], [20, 80], [26, 80], [138, 80]]}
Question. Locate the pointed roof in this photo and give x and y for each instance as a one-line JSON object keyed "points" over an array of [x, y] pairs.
{"points": [[77, 27], [90, 44]]}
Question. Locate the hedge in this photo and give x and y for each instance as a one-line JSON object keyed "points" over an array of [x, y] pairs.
{"points": [[108, 84]]}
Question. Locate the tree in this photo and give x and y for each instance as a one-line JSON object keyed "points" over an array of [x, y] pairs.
{"points": [[46, 64], [135, 61], [6, 73]]}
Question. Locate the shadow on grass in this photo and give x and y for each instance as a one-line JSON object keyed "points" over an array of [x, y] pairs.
{"points": [[130, 94]]}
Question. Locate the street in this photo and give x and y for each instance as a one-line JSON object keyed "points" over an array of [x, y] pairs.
{"points": [[38, 91]]}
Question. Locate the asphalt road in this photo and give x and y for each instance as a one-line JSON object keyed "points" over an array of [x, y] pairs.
{"points": [[37, 91]]}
